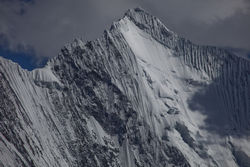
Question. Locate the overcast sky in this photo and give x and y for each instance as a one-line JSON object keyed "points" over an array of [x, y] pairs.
{"points": [[42, 27]]}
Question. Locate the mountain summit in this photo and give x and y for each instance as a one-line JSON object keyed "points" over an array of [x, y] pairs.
{"points": [[138, 96]]}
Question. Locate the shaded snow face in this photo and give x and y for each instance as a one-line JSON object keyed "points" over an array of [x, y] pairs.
{"points": [[137, 96], [163, 64], [195, 93]]}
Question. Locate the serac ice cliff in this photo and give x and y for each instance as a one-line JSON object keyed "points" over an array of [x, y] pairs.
{"points": [[139, 96]]}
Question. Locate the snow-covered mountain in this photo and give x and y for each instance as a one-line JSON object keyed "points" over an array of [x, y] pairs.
{"points": [[139, 96]]}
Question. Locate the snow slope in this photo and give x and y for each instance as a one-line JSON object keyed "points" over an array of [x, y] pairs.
{"points": [[140, 95]]}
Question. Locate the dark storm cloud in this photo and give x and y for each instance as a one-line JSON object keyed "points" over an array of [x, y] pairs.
{"points": [[213, 22], [48, 24]]}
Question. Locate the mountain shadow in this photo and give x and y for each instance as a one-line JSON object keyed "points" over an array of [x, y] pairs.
{"points": [[225, 101]]}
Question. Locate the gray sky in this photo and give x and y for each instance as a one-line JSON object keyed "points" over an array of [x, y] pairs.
{"points": [[45, 26]]}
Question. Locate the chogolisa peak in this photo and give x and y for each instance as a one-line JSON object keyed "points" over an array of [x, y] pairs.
{"points": [[138, 96]]}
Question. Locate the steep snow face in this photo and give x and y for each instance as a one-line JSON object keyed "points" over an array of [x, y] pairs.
{"points": [[138, 96], [170, 84], [163, 77]]}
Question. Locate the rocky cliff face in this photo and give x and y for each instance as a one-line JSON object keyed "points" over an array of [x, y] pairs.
{"points": [[138, 96]]}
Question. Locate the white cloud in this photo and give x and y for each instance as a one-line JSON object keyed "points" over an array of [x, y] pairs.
{"points": [[216, 10]]}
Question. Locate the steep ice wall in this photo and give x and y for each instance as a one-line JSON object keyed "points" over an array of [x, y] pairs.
{"points": [[137, 96], [228, 72]]}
